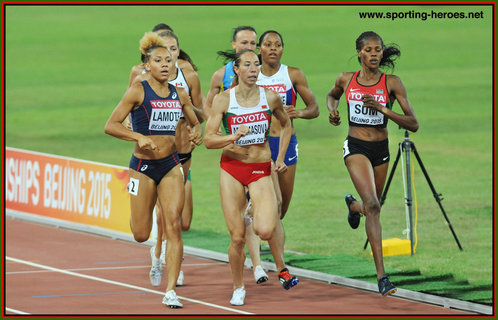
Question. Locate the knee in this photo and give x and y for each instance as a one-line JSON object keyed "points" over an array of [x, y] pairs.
{"points": [[186, 226], [263, 232], [186, 222], [140, 232], [140, 236], [238, 241], [371, 207], [173, 228]]}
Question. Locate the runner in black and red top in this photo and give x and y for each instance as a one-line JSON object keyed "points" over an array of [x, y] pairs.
{"points": [[370, 94]]}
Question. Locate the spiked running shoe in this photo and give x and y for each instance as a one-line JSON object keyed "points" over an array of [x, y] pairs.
{"points": [[179, 281], [156, 271], [386, 287], [238, 297], [171, 300], [353, 217], [163, 252], [247, 217], [155, 276], [260, 275], [287, 280]]}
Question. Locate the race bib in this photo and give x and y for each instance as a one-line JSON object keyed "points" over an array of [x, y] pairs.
{"points": [[280, 89], [165, 115], [363, 115], [258, 124], [132, 186], [256, 134]]}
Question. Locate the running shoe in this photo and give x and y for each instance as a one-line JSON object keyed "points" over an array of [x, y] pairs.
{"points": [[156, 271], [179, 281], [260, 275], [353, 217], [287, 280], [247, 217], [163, 252], [386, 287], [238, 297], [171, 300]]}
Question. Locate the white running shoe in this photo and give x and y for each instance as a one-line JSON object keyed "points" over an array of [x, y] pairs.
{"points": [[247, 217], [163, 252], [260, 275], [238, 297], [179, 281], [156, 271], [171, 300]]}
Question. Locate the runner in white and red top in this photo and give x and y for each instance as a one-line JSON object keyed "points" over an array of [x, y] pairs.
{"points": [[245, 111]]}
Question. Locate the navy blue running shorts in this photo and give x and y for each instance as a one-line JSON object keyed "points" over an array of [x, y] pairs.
{"points": [[155, 169], [292, 150]]}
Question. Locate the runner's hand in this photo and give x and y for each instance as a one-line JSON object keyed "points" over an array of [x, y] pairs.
{"points": [[242, 131], [146, 143], [280, 166], [335, 118]]}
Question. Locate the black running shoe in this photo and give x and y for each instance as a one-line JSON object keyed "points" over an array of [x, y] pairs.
{"points": [[386, 287], [287, 280], [353, 217]]}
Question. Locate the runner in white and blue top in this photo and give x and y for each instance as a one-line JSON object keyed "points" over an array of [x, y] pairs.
{"points": [[288, 82]]}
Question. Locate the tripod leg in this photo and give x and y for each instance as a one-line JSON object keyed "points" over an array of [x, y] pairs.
{"points": [[365, 245], [436, 195], [407, 147]]}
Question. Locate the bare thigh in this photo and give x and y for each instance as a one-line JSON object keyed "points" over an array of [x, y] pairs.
{"points": [[369, 181], [264, 202], [362, 174], [170, 194], [233, 200], [142, 200]]}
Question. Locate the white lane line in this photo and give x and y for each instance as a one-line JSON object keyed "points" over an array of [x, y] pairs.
{"points": [[110, 268], [15, 311], [120, 284]]}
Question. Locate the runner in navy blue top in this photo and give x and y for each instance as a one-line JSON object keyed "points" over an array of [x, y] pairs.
{"points": [[155, 171]]}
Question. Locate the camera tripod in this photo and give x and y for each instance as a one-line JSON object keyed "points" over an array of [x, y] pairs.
{"points": [[407, 147]]}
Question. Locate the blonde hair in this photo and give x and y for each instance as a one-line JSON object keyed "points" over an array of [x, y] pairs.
{"points": [[150, 41]]}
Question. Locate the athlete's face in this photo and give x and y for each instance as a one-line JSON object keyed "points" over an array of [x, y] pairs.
{"points": [[159, 64], [245, 39], [271, 49], [173, 48], [248, 68], [371, 53]]}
